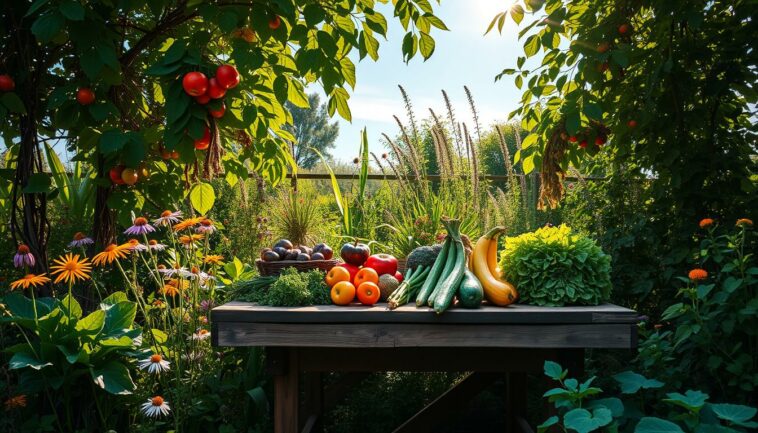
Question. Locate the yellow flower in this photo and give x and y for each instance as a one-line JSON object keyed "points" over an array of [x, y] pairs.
{"points": [[744, 222], [110, 254], [214, 259], [30, 280], [173, 287], [69, 268], [188, 223]]}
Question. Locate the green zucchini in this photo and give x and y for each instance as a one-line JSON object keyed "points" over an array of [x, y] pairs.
{"points": [[470, 292], [449, 263], [434, 275], [448, 287]]}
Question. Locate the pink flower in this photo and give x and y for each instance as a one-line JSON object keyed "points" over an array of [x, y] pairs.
{"points": [[168, 218], [80, 240], [140, 227], [23, 257]]}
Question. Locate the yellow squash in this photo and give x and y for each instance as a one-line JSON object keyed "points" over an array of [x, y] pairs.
{"points": [[496, 291]]}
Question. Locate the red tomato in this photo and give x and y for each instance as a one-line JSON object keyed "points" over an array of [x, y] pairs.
{"points": [[218, 113], [350, 268], [205, 141], [115, 174], [399, 277], [382, 264], [6, 83], [215, 91], [195, 83], [85, 96], [227, 76], [368, 293]]}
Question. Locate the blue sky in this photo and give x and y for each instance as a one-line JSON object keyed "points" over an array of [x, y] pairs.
{"points": [[463, 56]]}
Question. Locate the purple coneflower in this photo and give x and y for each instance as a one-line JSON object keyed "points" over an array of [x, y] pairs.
{"points": [[206, 226], [206, 304], [168, 218], [156, 407], [135, 245], [155, 245], [23, 257], [80, 240], [140, 227]]}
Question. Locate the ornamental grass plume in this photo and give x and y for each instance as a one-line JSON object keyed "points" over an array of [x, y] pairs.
{"points": [[23, 257], [698, 274], [139, 227], [706, 223], [70, 268], [30, 280]]}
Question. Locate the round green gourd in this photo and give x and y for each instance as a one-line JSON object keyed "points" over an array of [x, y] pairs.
{"points": [[470, 292]]}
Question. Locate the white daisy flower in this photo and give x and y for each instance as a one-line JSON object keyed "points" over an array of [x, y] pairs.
{"points": [[156, 407], [201, 334], [155, 245], [155, 364]]}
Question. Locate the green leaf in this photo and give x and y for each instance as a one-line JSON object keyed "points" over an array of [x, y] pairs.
{"points": [[632, 382], [517, 13], [259, 398], [615, 405], [47, 26], [24, 360], [573, 122], [114, 378], [656, 425], [426, 45], [542, 428], [21, 307], [532, 45], [735, 413], [620, 58], [583, 421], [338, 101], [593, 111], [691, 400], [13, 103], [119, 317], [72, 10], [553, 370], [38, 183], [113, 140], [70, 305], [92, 324], [202, 197], [115, 298], [528, 164], [35, 6]]}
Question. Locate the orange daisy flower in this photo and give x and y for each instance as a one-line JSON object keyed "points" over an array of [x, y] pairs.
{"points": [[744, 222], [15, 402], [698, 274], [173, 287], [110, 254], [30, 280], [706, 222], [188, 240], [213, 259], [70, 269], [188, 223]]}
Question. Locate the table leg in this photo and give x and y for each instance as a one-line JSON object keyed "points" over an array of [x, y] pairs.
{"points": [[286, 394], [313, 406], [515, 400]]}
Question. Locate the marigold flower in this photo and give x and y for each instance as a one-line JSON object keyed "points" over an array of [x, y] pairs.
{"points": [[80, 240], [30, 280], [23, 257], [155, 407], [110, 254], [698, 274], [70, 269], [706, 223], [140, 226], [744, 222], [188, 223], [16, 401]]}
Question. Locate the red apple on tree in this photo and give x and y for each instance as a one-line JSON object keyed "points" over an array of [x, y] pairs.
{"points": [[129, 176], [382, 264], [217, 114], [115, 174], [631, 124], [215, 91], [195, 83], [205, 141], [202, 99], [85, 96], [274, 22], [6, 83]]}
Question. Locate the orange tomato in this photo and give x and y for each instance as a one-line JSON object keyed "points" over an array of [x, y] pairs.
{"points": [[337, 274], [342, 293], [366, 275], [368, 293]]}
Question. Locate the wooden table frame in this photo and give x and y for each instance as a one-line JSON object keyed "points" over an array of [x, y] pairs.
{"points": [[490, 343]]}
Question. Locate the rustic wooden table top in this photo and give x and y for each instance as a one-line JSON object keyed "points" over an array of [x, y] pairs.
{"points": [[525, 326]]}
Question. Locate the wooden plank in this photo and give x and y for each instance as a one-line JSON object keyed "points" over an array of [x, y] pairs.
{"points": [[515, 314], [286, 396], [422, 359], [447, 405], [618, 336]]}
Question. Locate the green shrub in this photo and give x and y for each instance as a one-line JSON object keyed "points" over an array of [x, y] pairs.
{"points": [[555, 266]]}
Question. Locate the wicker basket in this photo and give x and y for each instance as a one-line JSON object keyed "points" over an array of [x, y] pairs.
{"points": [[275, 268], [401, 265]]}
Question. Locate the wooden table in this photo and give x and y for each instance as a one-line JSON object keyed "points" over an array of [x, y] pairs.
{"points": [[486, 342]]}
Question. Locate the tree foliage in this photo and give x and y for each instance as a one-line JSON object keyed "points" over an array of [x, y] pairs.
{"points": [[312, 130]]}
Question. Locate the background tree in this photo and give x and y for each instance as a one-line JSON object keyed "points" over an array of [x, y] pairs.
{"points": [[106, 78], [312, 130]]}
